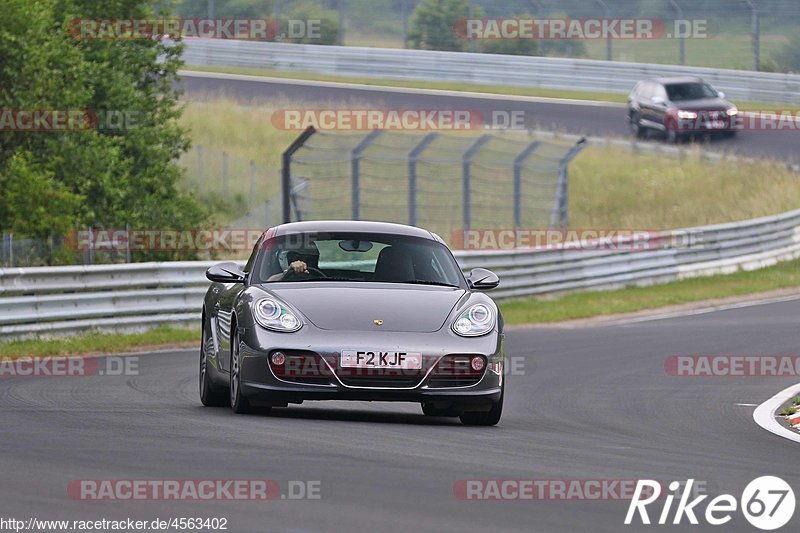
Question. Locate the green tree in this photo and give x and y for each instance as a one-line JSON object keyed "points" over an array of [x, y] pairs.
{"points": [[103, 177], [432, 25], [305, 14]]}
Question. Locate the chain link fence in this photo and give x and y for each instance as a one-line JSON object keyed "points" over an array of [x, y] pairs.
{"points": [[442, 182]]}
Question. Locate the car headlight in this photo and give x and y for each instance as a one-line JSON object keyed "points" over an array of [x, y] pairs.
{"points": [[271, 314], [687, 114], [475, 320], [733, 111]]}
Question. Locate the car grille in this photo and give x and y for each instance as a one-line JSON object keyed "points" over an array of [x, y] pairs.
{"points": [[302, 367]]}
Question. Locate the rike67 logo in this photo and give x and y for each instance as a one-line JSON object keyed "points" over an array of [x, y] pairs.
{"points": [[767, 503]]}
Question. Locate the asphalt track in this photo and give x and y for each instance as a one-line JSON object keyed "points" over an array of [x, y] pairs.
{"points": [[591, 403], [570, 117]]}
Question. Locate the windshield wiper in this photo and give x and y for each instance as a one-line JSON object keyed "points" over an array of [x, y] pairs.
{"points": [[428, 282]]}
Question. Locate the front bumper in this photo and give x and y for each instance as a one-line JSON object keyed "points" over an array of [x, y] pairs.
{"points": [[261, 384]]}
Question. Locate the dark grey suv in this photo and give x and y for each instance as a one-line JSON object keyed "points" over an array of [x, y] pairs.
{"points": [[679, 107]]}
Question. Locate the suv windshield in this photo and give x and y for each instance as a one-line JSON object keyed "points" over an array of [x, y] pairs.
{"points": [[372, 257], [681, 92]]}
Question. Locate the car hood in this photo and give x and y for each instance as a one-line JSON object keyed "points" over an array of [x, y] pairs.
{"points": [[706, 104], [356, 307]]}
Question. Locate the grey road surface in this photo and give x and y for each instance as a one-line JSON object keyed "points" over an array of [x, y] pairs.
{"points": [[589, 403]]}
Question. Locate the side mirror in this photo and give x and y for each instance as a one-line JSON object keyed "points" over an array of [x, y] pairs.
{"points": [[228, 272], [482, 279], [721, 94], [657, 100]]}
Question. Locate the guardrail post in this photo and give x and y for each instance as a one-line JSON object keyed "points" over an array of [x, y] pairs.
{"points": [[286, 172], [466, 178], [518, 163], [560, 215], [413, 158], [355, 173]]}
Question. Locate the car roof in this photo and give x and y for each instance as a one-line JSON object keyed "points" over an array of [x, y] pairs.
{"points": [[678, 79], [355, 226]]}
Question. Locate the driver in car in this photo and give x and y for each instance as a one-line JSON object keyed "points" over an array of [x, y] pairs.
{"points": [[299, 263]]}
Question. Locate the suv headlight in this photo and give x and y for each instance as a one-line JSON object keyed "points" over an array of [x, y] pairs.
{"points": [[475, 320], [733, 111], [271, 314], [687, 114]]}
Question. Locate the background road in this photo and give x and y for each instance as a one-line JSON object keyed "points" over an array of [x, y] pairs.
{"points": [[590, 119], [592, 403]]}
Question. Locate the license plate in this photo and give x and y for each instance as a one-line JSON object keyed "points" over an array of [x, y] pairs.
{"points": [[380, 359], [716, 124]]}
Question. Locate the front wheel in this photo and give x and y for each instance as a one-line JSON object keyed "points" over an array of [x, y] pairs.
{"points": [[211, 394], [636, 126], [239, 403], [484, 418]]}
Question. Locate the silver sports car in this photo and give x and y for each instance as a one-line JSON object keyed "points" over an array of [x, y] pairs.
{"points": [[343, 310]]}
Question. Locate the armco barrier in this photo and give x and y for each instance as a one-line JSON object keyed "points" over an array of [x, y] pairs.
{"points": [[56, 300], [524, 71]]}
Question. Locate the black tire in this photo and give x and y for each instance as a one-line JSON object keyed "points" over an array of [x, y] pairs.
{"points": [[430, 410], [239, 403], [636, 126], [672, 136], [484, 418], [211, 394]]}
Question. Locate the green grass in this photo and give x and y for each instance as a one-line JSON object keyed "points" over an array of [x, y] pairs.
{"points": [[511, 90], [616, 188], [590, 304], [92, 343], [726, 50]]}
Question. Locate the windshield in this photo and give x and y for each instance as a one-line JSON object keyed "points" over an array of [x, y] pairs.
{"points": [[361, 257], [681, 92]]}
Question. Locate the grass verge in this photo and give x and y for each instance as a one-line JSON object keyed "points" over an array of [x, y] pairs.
{"points": [[511, 90], [101, 343], [590, 304]]}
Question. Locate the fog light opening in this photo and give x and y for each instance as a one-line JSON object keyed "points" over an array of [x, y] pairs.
{"points": [[477, 363], [278, 359]]}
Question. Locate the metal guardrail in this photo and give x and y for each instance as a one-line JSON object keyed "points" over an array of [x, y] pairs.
{"points": [[548, 72], [53, 300]]}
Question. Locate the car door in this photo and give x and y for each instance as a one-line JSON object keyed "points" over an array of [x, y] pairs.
{"points": [[223, 311]]}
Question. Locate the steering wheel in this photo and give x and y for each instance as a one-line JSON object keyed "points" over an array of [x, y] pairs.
{"points": [[293, 274]]}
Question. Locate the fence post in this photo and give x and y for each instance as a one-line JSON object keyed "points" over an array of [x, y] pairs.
{"points": [[466, 178], [560, 216], [225, 191], [413, 158], [682, 38], [518, 163], [253, 187], [355, 173], [755, 30], [8, 248], [200, 170], [286, 172]]}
